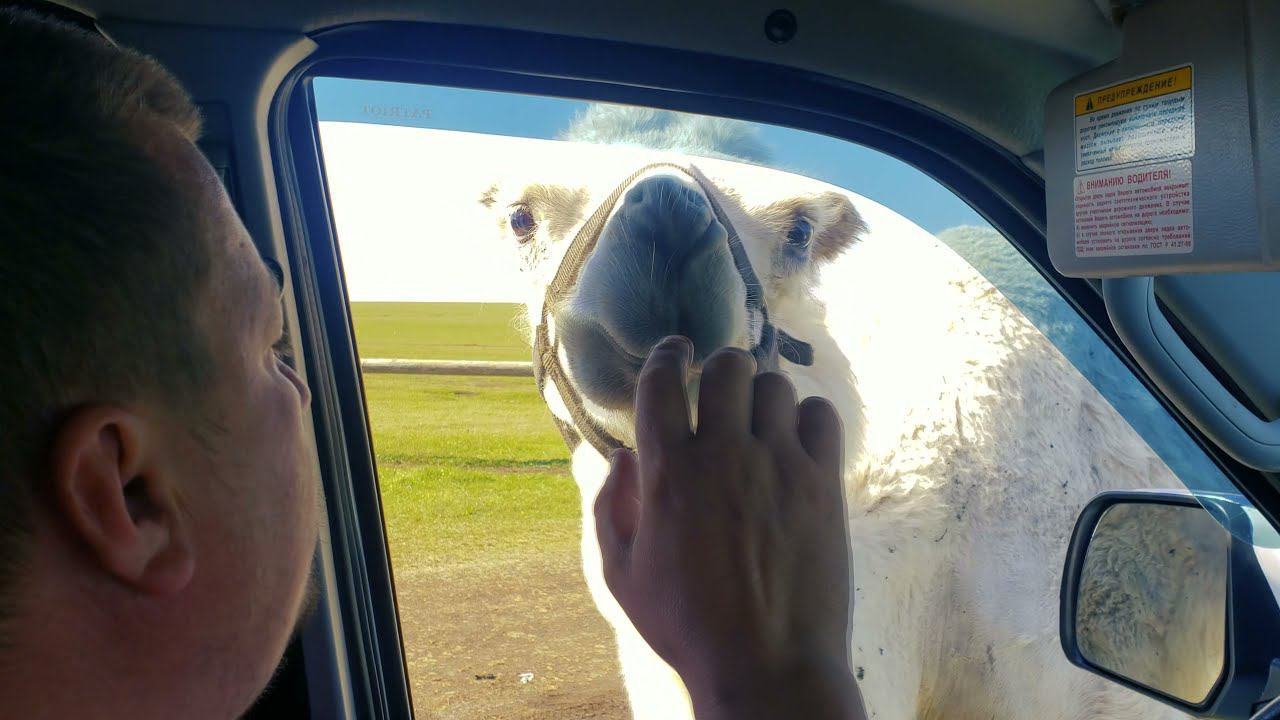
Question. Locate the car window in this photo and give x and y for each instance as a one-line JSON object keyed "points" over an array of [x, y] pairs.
{"points": [[985, 410]]}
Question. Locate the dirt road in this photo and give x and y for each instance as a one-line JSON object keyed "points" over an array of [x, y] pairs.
{"points": [[507, 638]]}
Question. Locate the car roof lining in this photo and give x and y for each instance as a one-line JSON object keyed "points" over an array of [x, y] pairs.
{"points": [[988, 64]]}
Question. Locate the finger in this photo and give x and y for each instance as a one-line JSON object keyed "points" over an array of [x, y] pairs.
{"points": [[773, 410], [725, 393], [662, 403], [617, 511], [821, 432]]}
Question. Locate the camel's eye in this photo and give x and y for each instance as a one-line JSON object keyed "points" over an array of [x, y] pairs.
{"points": [[800, 233], [522, 222]]}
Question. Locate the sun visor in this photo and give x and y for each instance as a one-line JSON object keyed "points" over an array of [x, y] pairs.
{"points": [[1167, 160]]}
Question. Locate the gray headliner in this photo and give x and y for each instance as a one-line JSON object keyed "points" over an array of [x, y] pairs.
{"points": [[986, 63]]}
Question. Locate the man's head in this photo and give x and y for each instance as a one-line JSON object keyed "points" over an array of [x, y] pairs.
{"points": [[158, 496]]}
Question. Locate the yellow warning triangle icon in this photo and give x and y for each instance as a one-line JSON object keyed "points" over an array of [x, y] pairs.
{"points": [[1088, 105]]}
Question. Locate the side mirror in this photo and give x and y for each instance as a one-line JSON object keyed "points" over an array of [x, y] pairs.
{"points": [[1158, 595]]}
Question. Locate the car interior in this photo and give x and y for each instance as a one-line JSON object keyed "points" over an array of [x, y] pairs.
{"points": [[989, 99]]}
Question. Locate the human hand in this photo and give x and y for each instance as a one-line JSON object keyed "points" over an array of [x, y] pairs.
{"points": [[728, 547]]}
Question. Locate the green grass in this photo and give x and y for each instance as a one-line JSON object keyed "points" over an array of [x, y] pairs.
{"points": [[440, 331], [468, 467]]}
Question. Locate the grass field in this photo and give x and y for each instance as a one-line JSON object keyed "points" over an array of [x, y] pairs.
{"points": [[440, 331], [483, 524], [464, 463], [467, 464]]}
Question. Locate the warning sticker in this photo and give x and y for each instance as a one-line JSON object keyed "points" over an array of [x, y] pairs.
{"points": [[1147, 119], [1140, 211]]}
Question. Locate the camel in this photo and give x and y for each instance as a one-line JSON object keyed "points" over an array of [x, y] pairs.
{"points": [[971, 442]]}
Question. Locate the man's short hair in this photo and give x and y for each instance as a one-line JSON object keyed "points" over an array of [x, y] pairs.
{"points": [[101, 259]]}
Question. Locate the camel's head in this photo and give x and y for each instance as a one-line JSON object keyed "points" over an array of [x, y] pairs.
{"points": [[662, 264]]}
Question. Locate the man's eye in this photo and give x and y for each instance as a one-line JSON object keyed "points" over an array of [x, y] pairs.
{"points": [[283, 348], [274, 269]]}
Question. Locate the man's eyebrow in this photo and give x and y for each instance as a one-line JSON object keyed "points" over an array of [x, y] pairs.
{"points": [[277, 273]]}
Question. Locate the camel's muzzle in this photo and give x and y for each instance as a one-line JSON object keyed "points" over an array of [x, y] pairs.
{"points": [[767, 341]]}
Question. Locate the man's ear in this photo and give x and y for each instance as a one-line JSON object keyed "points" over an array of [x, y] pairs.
{"points": [[840, 228], [119, 500]]}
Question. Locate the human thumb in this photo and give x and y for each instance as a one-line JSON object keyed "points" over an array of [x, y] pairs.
{"points": [[617, 511]]}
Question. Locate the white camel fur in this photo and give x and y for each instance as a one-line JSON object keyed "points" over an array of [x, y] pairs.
{"points": [[972, 442]]}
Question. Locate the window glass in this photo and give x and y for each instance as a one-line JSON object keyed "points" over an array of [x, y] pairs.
{"points": [[987, 412]]}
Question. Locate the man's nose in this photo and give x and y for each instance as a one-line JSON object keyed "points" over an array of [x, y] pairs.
{"points": [[670, 213]]}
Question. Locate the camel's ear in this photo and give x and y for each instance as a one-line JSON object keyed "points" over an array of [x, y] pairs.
{"points": [[841, 226]]}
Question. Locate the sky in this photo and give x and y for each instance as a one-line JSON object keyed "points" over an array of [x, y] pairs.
{"points": [[405, 225]]}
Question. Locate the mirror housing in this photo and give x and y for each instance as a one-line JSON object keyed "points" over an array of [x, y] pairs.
{"points": [[1250, 551]]}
